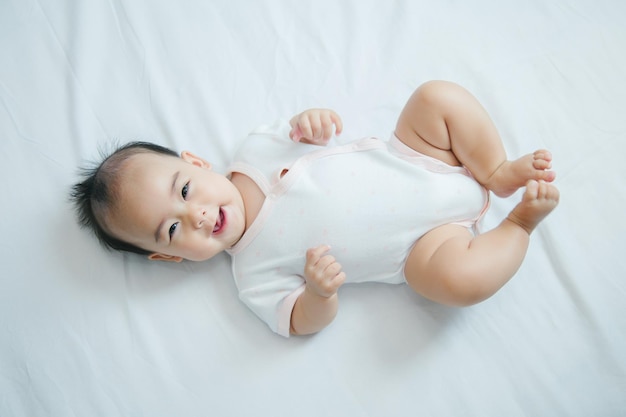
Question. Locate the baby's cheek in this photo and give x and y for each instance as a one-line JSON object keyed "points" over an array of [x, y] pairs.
{"points": [[204, 250]]}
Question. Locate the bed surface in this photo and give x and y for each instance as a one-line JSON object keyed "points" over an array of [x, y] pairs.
{"points": [[86, 332]]}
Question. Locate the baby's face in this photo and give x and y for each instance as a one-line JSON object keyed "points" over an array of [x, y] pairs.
{"points": [[177, 208]]}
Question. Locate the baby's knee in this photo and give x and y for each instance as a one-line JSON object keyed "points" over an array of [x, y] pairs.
{"points": [[451, 288], [465, 288], [436, 91]]}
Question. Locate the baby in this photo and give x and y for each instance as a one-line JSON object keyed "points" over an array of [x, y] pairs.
{"points": [[301, 219]]}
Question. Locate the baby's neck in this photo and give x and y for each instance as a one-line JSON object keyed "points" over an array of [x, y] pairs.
{"points": [[253, 197]]}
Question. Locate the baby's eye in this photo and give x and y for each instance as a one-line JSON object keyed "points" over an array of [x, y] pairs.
{"points": [[172, 229], [185, 190]]}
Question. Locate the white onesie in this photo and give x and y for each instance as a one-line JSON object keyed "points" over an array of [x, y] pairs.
{"points": [[370, 200]]}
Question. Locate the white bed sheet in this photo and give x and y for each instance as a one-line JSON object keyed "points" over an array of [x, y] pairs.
{"points": [[85, 332]]}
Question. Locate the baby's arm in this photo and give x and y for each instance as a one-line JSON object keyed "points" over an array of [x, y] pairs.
{"points": [[315, 126], [316, 307]]}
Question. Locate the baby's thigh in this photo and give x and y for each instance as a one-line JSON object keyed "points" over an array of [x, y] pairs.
{"points": [[434, 267], [422, 126]]}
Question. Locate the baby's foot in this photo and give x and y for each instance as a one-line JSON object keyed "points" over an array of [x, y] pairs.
{"points": [[539, 199], [511, 175]]}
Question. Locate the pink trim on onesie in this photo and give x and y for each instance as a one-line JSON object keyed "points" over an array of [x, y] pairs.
{"points": [[285, 309]]}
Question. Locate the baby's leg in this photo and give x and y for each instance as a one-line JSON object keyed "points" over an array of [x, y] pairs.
{"points": [[450, 266], [445, 121]]}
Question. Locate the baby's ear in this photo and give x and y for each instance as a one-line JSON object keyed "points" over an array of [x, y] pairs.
{"points": [[195, 160], [164, 257]]}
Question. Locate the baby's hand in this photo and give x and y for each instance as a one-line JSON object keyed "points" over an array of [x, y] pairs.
{"points": [[315, 126], [323, 273]]}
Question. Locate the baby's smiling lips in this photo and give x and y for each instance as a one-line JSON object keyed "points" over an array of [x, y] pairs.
{"points": [[219, 223]]}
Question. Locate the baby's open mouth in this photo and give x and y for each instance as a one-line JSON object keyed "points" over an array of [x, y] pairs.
{"points": [[219, 223]]}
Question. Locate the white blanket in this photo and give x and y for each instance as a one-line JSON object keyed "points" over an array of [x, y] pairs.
{"points": [[86, 332]]}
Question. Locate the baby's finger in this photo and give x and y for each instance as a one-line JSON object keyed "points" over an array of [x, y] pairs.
{"points": [[339, 279], [333, 269], [295, 134], [313, 255], [324, 263], [337, 121], [317, 129], [327, 126], [305, 127], [332, 285]]}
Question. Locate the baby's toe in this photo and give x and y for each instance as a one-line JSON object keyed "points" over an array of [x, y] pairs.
{"points": [[543, 154], [542, 191], [542, 164], [553, 193], [548, 176], [532, 189]]}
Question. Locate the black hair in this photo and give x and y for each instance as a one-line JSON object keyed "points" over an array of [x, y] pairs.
{"points": [[96, 194]]}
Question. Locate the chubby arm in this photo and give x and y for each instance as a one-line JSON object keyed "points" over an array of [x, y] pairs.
{"points": [[317, 306], [315, 126]]}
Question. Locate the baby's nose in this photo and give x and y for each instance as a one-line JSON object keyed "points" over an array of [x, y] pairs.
{"points": [[198, 217]]}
